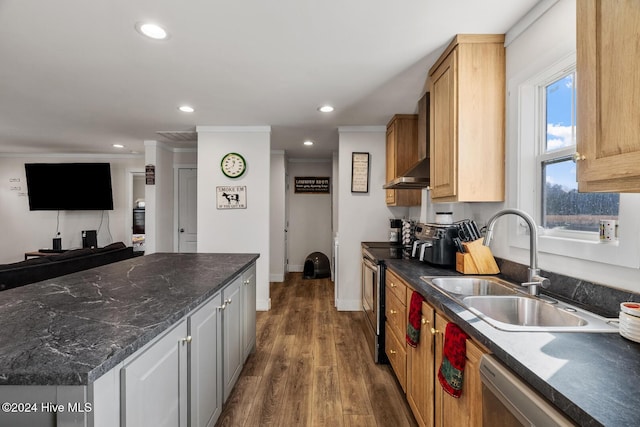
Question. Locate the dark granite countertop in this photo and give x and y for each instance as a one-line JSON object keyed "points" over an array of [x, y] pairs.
{"points": [[72, 329], [591, 377]]}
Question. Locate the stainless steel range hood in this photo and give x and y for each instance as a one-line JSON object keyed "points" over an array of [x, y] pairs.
{"points": [[416, 177]]}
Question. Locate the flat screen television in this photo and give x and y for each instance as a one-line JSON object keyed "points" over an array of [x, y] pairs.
{"points": [[69, 186]]}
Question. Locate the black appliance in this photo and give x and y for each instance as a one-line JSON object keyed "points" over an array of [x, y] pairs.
{"points": [[373, 299], [89, 239], [435, 243], [138, 221]]}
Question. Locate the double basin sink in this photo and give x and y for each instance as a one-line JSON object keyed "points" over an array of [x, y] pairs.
{"points": [[504, 306]]}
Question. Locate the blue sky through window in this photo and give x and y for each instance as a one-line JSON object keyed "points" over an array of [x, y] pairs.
{"points": [[560, 124]]}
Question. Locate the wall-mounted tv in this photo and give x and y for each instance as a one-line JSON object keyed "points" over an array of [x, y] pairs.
{"points": [[69, 186]]}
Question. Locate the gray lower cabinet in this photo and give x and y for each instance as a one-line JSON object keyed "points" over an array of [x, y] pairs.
{"points": [[209, 347], [232, 334], [249, 311], [154, 384], [205, 368]]}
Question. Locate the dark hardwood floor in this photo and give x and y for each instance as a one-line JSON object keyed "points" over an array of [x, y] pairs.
{"points": [[312, 367]]}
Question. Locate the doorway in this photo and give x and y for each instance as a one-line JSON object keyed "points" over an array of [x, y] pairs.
{"points": [[187, 210], [135, 209]]}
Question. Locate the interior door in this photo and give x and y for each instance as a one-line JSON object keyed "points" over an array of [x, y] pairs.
{"points": [[187, 210]]}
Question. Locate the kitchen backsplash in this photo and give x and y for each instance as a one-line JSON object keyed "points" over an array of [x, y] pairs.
{"points": [[594, 297]]}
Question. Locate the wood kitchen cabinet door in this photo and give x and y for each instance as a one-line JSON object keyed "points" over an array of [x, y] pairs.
{"points": [[402, 153], [467, 409], [420, 372], [608, 96], [467, 115], [443, 121]]}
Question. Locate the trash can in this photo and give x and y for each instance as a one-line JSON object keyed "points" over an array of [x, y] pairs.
{"points": [[316, 266]]}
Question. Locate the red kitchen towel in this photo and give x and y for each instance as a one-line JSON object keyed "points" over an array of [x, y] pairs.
{"points": [[451, 372], [415, 319]]}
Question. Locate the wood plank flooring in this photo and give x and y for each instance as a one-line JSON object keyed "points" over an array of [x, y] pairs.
{"points": [[312, 367]]}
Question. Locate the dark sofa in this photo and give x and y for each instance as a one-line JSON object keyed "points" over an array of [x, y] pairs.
{"points": [[46, 267]]}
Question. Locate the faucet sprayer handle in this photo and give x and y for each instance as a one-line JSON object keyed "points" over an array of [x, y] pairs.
{"points": [[542, 281]]}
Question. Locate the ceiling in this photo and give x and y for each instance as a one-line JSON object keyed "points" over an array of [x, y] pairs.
{"points": [[76, 77]]}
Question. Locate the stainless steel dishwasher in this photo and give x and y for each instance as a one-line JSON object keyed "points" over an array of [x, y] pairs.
{"points": [[509, 401]]}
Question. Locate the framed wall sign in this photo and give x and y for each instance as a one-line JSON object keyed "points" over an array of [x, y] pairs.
{"points": [[312, 184], [231, 197], [359, 172]]}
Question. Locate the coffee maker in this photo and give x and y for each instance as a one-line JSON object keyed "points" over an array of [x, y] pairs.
{"points": [[395, 231]]}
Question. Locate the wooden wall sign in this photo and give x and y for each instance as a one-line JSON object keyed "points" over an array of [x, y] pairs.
{"points": [[359, 172], [312, 184]]}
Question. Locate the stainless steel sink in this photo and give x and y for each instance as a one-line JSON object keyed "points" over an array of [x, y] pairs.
{"points": [[504, 307], [466, 286]]}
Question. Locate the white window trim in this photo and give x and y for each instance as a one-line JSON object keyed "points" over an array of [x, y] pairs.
{"points": [[625, 252]]}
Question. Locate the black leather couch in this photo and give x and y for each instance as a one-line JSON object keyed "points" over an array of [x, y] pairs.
{"points": [[46, 267]]}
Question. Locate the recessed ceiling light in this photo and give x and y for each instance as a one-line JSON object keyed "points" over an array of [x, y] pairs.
{"points": [[153, 31], [325, 109], [308, 143], [118, 146], [186, 109]]}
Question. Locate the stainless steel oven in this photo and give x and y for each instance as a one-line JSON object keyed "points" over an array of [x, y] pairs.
{"points": [[507, 401], [373, 303]]}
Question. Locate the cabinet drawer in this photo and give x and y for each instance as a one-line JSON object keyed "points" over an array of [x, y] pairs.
{"points": [[397, 286], [396, 314], [397, 354]]}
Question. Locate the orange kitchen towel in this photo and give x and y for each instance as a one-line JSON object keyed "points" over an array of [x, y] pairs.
{"points": [[415, 319], [454, 354]]}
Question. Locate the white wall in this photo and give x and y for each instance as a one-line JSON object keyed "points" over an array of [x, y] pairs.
{"points": [[159, 210], [549, 38], [23, 230], [362, 216], [277, 217], [236, 230], [309, 214]]}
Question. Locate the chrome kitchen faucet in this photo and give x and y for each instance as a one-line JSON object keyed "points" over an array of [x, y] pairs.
{"points": [[534, 279]]}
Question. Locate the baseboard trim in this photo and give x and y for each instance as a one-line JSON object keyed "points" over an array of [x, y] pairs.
{"points": [[349, 305], [263, 305], [277, 278]]}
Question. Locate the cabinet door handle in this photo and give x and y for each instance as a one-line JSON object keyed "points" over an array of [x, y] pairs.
{"points": [[227, 301], [187, 340], [434, 331], [392, 351], [222, 307], [425, 321], [577, 157], [393, 312], [392, 285]]}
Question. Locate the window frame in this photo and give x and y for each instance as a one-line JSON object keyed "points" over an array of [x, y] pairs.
{"points": [[529, 114]]}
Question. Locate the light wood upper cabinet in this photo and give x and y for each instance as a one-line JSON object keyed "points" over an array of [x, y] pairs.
{"points": [[608, 96], [402, 153], [467, 115]]}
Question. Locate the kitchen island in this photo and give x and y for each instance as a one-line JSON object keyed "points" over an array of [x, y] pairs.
{"points": [[70, 340], [588, 376]]}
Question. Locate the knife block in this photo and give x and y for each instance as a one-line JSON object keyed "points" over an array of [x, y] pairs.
{"points": [[465, 264], [477, 259]]}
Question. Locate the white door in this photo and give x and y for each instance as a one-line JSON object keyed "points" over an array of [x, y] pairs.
{"points": [[187, 210]]}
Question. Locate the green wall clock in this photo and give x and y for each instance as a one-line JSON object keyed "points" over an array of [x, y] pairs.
{"points": [[233, 165]]}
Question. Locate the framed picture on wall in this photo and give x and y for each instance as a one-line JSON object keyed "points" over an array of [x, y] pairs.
{"points": [[359, 172]]}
